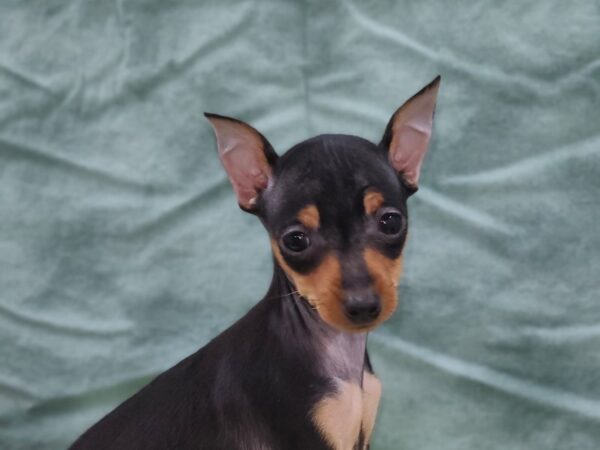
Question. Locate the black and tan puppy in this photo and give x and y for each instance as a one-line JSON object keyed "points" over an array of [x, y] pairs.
{"points": [[293, 373]]}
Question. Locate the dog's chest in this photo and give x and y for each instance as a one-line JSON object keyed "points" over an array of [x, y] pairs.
{"points": [[348, 412]]}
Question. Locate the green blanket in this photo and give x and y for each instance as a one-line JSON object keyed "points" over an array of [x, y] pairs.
{"points": [[122, 249]]}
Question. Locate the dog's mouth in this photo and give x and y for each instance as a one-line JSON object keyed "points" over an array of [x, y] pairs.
{"points": [[336, 315]]}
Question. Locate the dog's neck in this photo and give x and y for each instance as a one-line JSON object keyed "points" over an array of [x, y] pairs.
{"points": [[340, 354]]}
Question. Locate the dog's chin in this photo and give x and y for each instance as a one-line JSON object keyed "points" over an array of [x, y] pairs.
{"points": [[339, 321]]}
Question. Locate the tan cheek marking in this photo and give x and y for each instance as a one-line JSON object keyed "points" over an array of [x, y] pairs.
{"points": [[339, 417], [309, 217], [322, 287], [385, 273], [372, 201], [371, 396]]}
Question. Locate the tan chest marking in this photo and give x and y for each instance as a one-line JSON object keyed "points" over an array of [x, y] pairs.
{"points": [[342, 416], [371, 396], [339, 416]]}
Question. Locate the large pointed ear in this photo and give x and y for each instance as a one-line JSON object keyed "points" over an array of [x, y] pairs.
{"points": [[247, 157], [407, 135]]}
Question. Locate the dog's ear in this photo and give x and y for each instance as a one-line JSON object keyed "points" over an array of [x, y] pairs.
{"points": [[407, 134], [247, 157]]}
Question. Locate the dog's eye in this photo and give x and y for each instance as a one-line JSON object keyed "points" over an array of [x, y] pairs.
{"points": [[390, 223], [296, 241]]}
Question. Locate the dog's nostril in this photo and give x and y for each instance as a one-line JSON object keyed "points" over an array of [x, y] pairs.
{"points": [[363, 309]]}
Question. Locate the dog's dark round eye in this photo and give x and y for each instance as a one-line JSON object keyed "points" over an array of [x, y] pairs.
{"points": [[390, 223], [296, 241]]}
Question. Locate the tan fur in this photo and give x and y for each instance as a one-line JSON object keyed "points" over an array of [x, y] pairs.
{"points": [[309, 217], [372, 201], [385, 273], [322, 288], [339, 417], [371, 396]]}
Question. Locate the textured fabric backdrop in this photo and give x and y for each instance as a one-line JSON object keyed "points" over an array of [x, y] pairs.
{"points": [[122, 249]]}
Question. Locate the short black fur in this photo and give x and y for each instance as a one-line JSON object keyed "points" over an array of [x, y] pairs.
{"points": [[258, 381]]}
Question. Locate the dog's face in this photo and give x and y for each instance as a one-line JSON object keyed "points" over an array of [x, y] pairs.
{"points": [[336, 214], [335, 208]]}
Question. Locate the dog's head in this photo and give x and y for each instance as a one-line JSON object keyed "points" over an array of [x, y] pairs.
{"points": [[335, 207]]}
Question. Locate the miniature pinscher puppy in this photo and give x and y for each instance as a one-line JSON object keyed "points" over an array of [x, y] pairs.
{"points": [[294, 373]]}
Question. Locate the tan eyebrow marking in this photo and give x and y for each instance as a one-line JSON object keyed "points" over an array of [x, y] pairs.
{"points": [[309, 217], [372, 201]]}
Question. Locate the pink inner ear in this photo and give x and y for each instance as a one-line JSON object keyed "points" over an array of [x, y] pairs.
{"points": [[409, 146], [242, 154], [247, 173], [411, 130]]}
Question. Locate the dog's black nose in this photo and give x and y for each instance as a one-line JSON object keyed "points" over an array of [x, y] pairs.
{"points": [[362, 308]]}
